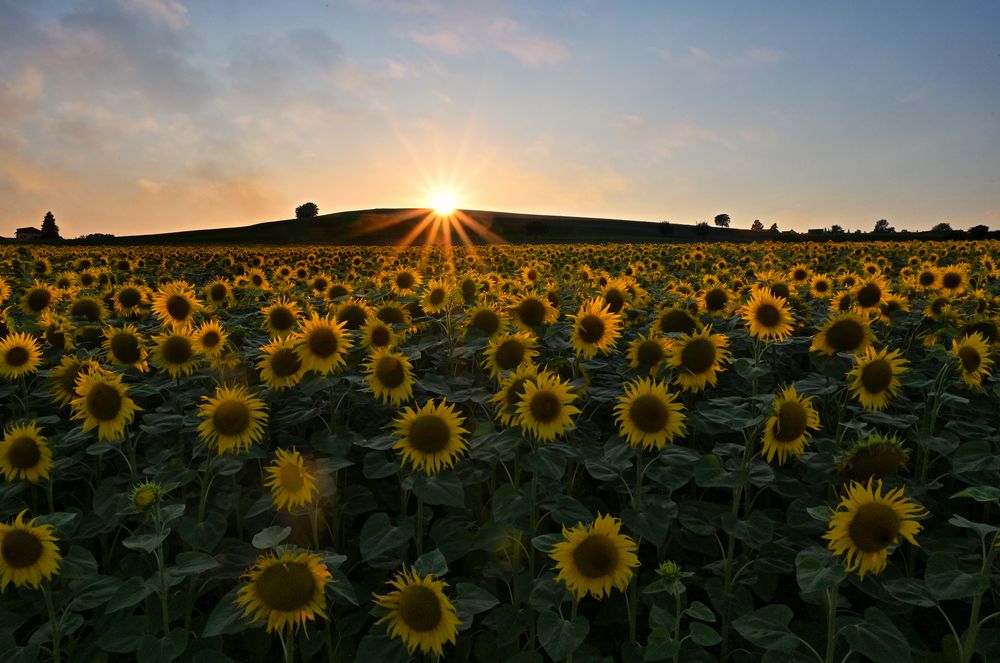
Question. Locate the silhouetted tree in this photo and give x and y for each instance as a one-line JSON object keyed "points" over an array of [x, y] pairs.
{"points": [[836, 229], [942, 227], [774, 227], [722, 220], [701, 229], [979, 232], [665, 228], [536, 228], [306, 211], [49, 228], [882, 226], [757, 225]]}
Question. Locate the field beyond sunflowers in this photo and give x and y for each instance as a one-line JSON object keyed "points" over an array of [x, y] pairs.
{"points": [[777, 452]]}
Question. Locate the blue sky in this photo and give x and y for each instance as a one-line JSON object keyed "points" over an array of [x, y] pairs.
{"points": [[131, 116]]}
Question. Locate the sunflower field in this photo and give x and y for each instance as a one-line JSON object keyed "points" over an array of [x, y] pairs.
{"points": [[707, 452]]}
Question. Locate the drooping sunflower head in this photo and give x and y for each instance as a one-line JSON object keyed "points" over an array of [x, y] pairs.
{"points": [[25, 454], [62, 379], [595, 328], [546, 409], [767, 316], [390, 376], [29, 553], [648, 415], [393, 314], [698, 358], [649, 352], [506, 352], [972, 355], [508, 398], [874, 380], [292, 484], [875, 457], [352, 313], [90, 309], [280, 317], [103, 403], [595, 558], [787, 430], [846, 332], [19, 356], [430, 436], [280, 365], [285, 590], [866, 523], [322, 344], [232, 419], [419, 613], [676, 320]]}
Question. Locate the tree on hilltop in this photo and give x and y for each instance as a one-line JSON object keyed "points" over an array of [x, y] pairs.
{"points": [[757, 226], [722, 220], [306, 211]]}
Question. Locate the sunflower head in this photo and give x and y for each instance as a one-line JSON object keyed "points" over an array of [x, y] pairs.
{"points": [[29, 553], [648, 415], [546, 409], [285, 590], [103, 403], [972, 354], [232, 419], [144, 496], [25, 454], [322, 344], [846, 332], [698, 358], [292, 483], [280, 364], [596, 328], [874, 380], [19, 356], [506, 352], [767, 315], [390, 376], [430, 436], [595, 558], [419, 613], [787, 430], [875, 457]]}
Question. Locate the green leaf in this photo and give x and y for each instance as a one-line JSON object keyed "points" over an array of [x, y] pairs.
{"points": [[270, 537], [980, 493], [379, 647], [432, 562], [226, 617], [910, 591], [444, 489], [817, 570], [878, 638], [982, 529], [95, 593], [767, 627], [704, 635], [79, 564], [192, 563], [146, 542], [560, 637], [661, 645], [546, 542], [130, 593], [471, 599], [379, 536], [698, 610], [163, 650], [123, 636], [945, 581]]}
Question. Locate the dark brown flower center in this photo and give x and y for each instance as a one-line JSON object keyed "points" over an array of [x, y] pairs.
{"points": [[17, 356], [768, 315], [210, 339], [322, 342], [23, 452], [104, 403], [218, 292], [429, 433], [405, 280], [353, 315], [20, 549], [874, 526], [596, 556], [591, 328], [531, 312], [288, 586], [486, 321], [869, 295], [951, 280], [231, 417], [970, 358], [615, 299], [391, 315], [281, 318], [821, 285], [926, 278], [510, 354], [846, 335], [389, 372], [649, 353], [129, 297], [698, 355], [436, 296], [876, 376], [178, 307], [780, 290], [177, 349], [791, 422], [125, 347], [285, 362], [676, 320], [419, 608], [380, 336], [649, 413], [545, 406], [716, 299], [38, 299], [878, 461]]}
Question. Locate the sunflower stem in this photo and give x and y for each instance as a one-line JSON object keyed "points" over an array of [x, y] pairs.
{"points": [[572, 618], [130, 448], [677, 624], [48, 492], [56, 636], [969, 646], [831, 623], [287, 646], [420, 526]]}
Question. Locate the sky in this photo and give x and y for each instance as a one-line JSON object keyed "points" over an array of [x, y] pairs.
{"points": [[137, 116]]}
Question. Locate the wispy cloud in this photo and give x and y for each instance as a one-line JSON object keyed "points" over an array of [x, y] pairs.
{"points": [[696, 56], [465, 35], [532, 49], [168, 12]]}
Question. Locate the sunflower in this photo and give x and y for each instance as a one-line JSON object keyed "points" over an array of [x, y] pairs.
{"points": [[593, 559], [716, 300], [393, 314], [322, 344], [257, 279], [788, 428], [877, 456], [19, 356], [846, 332], [57, 330], [438, 296], [218, 294], [875, 377], [175, 353], [280, 318], [507, 352], [506, 400], [866, 523], [90, 309], [29, 553], [616, 294], [648, 353], [144, 496], [378, 335], [4, 289], [405, 282], [286, 590], [533, 311], [821, 286], [292, 484], [232, 419], [485, 320], [972, 355], [210, 339], [353, 313], [430, 437], [175, 304], [647, 414], [697, 358], [419, 613], [103, 404], [390, 376], [955, 278], [546, 410], [676, 320], [280, 365], [62, 379], [124, 347], [869, 294], [25, 454], [767, 316], [595, 328], [38, 298]]}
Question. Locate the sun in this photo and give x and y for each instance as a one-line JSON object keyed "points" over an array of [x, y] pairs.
{"points": [[444, 203]]}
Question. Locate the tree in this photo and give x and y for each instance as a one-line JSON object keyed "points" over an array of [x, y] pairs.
{"points": [[49, 228], [757, 226], [942, 227], [774, 227], [979, 232], [665, 228], [306, 211], [836, 229], [882, 226], [722, 220], [701, 229]]}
